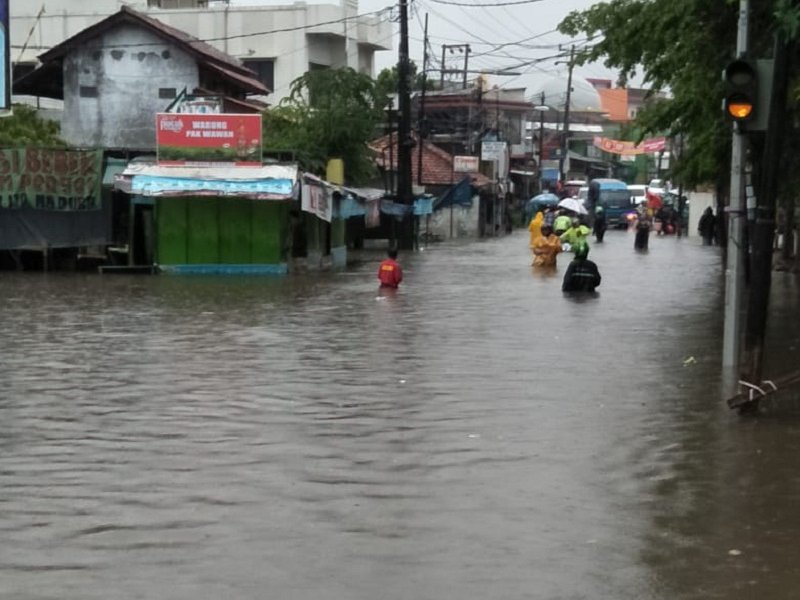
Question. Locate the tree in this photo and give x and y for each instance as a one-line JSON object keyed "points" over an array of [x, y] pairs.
{"points": [[25, 128], [329, 113], [681, 46], [388, 78]]}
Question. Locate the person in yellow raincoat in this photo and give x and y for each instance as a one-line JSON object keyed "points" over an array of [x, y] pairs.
{"points": [[535, 227], [546, 248]]}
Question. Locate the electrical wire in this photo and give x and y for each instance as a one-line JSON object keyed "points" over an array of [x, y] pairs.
{"points": [[230, 37], [480, 4]]}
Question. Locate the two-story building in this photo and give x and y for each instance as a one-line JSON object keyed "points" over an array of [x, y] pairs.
{"points": [[278, 42]]}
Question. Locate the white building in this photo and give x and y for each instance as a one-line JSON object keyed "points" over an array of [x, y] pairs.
{"points": [[280, 43]]}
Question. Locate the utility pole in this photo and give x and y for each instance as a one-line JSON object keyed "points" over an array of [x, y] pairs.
{"points": [[541, 141], [735, 255], [462, 49], [421, 125], [764, 228], [565, 133], [404, 141]]}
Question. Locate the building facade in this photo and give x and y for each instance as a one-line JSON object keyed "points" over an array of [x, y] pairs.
{"points": [[115, 75], [279, 43]]}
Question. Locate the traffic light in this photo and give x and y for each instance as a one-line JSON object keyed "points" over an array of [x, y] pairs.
{"points": [[741, 90]]}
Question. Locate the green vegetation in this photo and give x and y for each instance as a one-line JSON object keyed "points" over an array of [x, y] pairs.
{"points": [[388, 78], [682, 46], [25, 128], [329, 113]]}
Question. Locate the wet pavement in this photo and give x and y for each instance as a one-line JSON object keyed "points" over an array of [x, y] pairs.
{"points": [[475, 435]]}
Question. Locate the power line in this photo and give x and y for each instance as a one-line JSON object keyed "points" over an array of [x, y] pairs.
{"points": [[489, 4], [231, 37]]}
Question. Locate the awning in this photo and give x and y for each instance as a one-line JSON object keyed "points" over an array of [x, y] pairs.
{"points": [[269, 182], [114, 167]]}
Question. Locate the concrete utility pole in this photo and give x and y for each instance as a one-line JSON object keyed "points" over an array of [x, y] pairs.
{"points": [[734, 267], [764, 225], [565, 133], [421, 125], [404, 141]]}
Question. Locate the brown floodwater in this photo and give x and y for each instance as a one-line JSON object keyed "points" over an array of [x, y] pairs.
{"points": [[475, 435]]}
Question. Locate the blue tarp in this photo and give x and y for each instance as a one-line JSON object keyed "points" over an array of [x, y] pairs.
{"points": [[148, 185], [349, 207], [423, 206], [460, 193], [388, 207]]}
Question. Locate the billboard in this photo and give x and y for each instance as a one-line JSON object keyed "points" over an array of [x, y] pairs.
{"points": [[202, 139], [5, 63]]}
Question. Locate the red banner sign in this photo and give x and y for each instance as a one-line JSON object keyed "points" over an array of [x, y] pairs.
{"points": [[648, 146], [185, 139]]}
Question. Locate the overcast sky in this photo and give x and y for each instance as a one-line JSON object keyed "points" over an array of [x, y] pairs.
{"points": [[493, 31]]}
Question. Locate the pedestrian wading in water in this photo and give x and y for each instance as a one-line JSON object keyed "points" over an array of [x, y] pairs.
{"points": [[390, 274]]}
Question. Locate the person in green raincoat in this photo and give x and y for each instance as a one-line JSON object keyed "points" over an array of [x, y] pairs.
{"points": [[576, 235], [561, 223]]}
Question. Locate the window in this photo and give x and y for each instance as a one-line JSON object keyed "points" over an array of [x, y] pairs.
{"points": [[312, 67], [88, 91], [264, 69], [167, 93]]}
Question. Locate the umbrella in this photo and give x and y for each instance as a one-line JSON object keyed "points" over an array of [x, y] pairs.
{"points": [[538, 202], [574, 204], [545, 199]]}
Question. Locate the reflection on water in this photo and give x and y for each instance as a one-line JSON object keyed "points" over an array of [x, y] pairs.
{"points": [[475, 434]]}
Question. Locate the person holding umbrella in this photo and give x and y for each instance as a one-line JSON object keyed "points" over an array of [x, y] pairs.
{"points": [[562, 222], [577, 234]]}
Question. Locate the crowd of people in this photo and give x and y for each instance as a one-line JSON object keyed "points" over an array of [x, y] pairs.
{"points": [[553, 231]]}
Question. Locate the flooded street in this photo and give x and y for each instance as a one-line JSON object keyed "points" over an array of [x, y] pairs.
{"points": [[475, 436]]}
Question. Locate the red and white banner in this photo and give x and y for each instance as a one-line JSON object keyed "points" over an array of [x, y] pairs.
{"points": [[208, 138], [648, 146], [466, 164]]}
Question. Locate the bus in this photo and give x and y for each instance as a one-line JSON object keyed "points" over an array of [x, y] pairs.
{"points": [[615, 198]]}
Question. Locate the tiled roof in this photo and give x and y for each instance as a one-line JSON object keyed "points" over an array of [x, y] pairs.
{"points": [[437, 164], [47, 79]]}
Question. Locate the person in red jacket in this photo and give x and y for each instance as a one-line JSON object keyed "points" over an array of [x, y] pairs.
{"points": [[389, 273]]}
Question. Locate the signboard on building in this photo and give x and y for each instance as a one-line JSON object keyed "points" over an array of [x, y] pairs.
{"points": [[62, 180], [5, 63], [466, 164], [316, 199], [493, 150], [198, 139], [200, 105]]}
